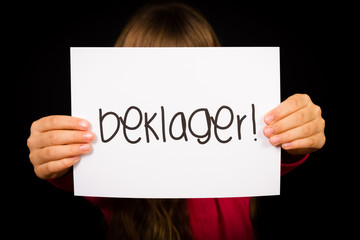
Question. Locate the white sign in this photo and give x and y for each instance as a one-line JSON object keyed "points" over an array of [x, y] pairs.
{"points": [[176, 122]]}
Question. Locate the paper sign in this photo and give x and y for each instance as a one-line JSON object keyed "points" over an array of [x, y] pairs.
{"points": [[176, 122]]}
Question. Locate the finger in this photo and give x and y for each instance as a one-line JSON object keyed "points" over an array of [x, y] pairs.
{"points": [[303, 131], [287, 107], [313, 142], [291, 121], [60, 137], [55, 169], [54, 153], [58, 122]]}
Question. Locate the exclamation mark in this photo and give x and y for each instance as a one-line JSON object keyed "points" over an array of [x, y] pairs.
{"points": [[253, 120]]}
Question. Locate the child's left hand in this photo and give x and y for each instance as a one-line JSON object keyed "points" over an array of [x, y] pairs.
{"points": [[297, 125]]}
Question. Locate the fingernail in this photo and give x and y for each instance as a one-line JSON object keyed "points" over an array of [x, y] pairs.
{"points": [[88, 136], [286, 145], [274, 140], [76, 158], [84, 124], [85, 147], [269, 119], [268, 131]]}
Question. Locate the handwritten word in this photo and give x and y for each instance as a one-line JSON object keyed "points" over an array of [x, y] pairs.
{"points": [[145, 120]]}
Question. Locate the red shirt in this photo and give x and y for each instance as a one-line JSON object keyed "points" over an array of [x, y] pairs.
{"points": [[210, 218]]}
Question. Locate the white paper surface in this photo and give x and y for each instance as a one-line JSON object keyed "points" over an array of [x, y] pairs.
{"points": [[227, 81]]}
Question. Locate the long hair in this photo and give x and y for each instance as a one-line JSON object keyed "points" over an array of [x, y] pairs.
{"points": [[138, 219], [159, 25]]}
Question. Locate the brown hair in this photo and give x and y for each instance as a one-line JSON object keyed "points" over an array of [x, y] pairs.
{"points": [[138, 219], [167, 25], [159, 25]]}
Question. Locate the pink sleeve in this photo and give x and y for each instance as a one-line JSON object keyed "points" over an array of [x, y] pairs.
{"points": [[65, 182], [287, 167]]}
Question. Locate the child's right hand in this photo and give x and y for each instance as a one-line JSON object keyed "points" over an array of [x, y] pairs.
{"points": [[56, 143]]}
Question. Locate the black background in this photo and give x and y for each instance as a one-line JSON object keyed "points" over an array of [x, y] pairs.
{"points": [[43, 35]]}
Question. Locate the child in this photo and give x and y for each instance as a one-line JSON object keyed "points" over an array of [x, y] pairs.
{"points": [[56, 143]]}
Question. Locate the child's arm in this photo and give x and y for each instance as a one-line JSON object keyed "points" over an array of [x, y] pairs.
{"points": [[56, 143], [290, 162], [65, 182]]}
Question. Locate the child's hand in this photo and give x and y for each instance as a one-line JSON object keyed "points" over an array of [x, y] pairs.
{"points": [[56, 143], [296, 124]]}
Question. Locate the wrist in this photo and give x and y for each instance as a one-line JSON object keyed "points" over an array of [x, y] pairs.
{"points": [[289, 158]]}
